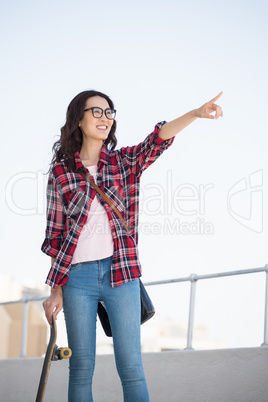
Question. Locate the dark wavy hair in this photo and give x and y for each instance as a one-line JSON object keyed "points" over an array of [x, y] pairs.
{"points": [[71, 137]]}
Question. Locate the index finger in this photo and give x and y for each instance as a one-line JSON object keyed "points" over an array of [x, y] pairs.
{"points": [[216, 97]]}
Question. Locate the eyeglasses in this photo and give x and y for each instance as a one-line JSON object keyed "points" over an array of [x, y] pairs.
{"points": [[98, 112]]}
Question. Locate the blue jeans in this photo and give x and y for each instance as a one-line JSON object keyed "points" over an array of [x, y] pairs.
{"points": [[88, 283]]}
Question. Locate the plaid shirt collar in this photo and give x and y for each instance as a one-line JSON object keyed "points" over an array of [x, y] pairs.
{"points": [[104, 157]]}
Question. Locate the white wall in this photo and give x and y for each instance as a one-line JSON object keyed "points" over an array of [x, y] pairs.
{"points": [[233, 375]]}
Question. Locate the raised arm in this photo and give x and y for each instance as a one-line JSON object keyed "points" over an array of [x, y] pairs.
{"points": [[208, 111]]}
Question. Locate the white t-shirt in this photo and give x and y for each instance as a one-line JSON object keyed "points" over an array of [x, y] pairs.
{"points": [[95, 241]]}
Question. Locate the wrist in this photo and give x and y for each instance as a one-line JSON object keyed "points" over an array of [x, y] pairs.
{"points": [[196, 113], [56, 291]]}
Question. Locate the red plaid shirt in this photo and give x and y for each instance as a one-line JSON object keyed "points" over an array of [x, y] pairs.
{"points": [[69, 198]]}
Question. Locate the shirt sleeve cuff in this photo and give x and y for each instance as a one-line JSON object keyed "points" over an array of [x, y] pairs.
{"points": [[55, 285], [158, 140]]}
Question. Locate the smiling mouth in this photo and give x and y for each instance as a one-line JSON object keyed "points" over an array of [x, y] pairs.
{"points": [[102, 127]]}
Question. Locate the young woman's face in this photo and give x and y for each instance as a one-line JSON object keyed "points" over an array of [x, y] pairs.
{"points": [[94, 127]]}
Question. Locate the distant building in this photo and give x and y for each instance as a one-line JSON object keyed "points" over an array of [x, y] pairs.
{"points": [[11, 320]]}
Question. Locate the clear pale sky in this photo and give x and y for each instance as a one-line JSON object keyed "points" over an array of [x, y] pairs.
{"points": [[156, 60]]}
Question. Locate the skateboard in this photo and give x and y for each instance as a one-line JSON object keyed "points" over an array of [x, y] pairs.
{"points": [[53, 353]]}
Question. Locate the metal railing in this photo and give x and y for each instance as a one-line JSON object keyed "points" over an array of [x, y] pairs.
{"points": [[193, 279]]}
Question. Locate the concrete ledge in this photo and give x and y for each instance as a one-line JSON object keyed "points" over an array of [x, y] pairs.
{"points": [[232, 375]]}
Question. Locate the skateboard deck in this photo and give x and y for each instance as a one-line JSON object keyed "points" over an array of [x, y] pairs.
{"points": [[53, 353]]}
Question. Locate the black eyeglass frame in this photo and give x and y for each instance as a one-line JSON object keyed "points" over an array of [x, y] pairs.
{"points": [[105, 111]]}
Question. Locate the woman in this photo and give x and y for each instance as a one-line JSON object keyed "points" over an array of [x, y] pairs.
{"points": [[94, 258]]}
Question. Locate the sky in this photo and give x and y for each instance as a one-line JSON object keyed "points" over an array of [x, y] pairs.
{"points": [[156, 60]]}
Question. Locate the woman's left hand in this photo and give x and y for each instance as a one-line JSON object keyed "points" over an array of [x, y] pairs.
{"points": [[210, 110]]}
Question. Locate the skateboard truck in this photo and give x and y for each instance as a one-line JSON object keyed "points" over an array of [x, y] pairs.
{"points": [[60, 353]]}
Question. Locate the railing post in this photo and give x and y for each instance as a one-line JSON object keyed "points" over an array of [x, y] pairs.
{"points": [[193, 279], [265, 339], [24, 330]]}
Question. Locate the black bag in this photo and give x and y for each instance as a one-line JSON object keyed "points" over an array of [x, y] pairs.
{"points": [[147, 311]]}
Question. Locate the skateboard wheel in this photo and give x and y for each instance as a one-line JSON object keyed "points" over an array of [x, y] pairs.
{"points": [[65, 353]]}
